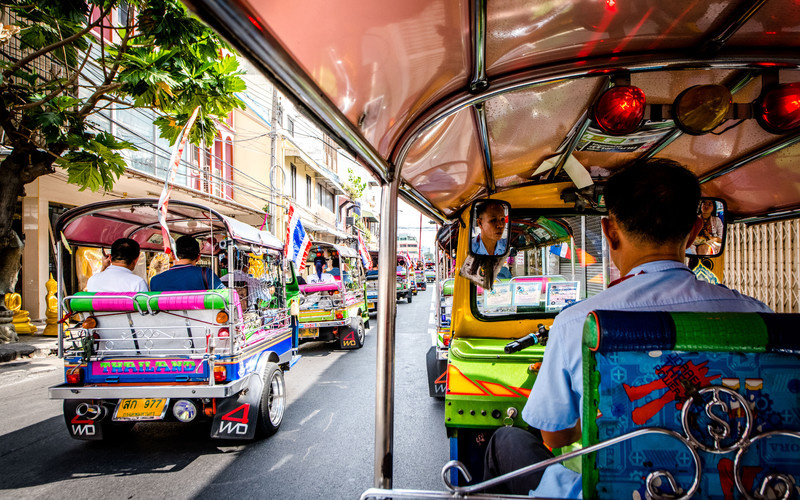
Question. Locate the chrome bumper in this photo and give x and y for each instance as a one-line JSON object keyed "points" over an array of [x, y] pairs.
{"points": [[65, 391]]}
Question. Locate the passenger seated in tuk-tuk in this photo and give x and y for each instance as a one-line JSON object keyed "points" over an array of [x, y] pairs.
{"points": [[652, 220], [185, 274], [490, 217], [117, 274], [319, 275]]}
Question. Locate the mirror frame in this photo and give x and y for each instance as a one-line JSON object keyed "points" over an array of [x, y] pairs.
{"points": [[473, 221], [724, 218]]}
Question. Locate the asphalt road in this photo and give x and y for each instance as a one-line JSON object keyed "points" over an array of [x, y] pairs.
{"points": [[324, 448]]}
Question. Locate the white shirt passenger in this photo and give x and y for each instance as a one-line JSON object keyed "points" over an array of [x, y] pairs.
{"points": [[116, 279], [324, 278]]}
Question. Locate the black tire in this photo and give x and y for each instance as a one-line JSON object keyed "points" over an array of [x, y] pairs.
{"points": [[358, 331], [273, 402], [409, 297]]}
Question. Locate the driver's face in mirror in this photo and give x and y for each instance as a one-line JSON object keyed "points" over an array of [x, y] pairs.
{"points": [[490, 218]]}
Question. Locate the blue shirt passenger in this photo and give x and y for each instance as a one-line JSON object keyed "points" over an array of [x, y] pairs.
{"points": [[185, 275]]}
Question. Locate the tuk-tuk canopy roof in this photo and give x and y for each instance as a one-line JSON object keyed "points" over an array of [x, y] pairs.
{"points": [[468, 98], [343, 251], [100, 224]]}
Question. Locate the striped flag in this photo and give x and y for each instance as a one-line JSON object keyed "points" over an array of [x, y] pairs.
{"points": [[297, 241], [366, 259], [163, 200]]}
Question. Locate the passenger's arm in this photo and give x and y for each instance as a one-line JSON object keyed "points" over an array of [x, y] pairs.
{"points": [[564, 437]]}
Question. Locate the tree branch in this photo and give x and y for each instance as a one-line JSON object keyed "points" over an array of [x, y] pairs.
{"points": [[94, 98], [59, 90], [44, 50]]}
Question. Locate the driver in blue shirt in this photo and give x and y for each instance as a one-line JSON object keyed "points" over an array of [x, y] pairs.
{"points": [[490, 217], [185, 274], [652, 219]]}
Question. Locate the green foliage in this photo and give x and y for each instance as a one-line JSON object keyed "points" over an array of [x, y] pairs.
{"points": [[354, 186], [167, 60]]}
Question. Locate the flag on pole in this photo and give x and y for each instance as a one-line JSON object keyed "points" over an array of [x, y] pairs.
{"points": [[366, 259], [163, 200], [561, 250], [298, 243]]}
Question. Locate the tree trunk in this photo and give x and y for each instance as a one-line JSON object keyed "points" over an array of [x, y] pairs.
{"points": [[18, 169]]}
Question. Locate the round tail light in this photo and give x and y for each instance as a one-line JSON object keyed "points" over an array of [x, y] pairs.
{"points": [[620, 110], [778, 109]]}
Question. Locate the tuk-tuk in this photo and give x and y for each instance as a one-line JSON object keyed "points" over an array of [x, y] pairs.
{"points": [[537, 104], [216, 355], [372, 284], [430, 272], [436, 358], [405, 285], [419, 278], [333, 304]]}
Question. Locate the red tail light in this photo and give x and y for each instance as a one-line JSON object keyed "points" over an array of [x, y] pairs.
{"points": [[223, 333], [446, 340], [620, 110], [778, 109], [339, 315], [75, 376], [220, 374]]}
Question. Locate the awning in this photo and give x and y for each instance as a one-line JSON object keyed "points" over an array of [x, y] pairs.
{"points": [[368, 216], [324, 228]]}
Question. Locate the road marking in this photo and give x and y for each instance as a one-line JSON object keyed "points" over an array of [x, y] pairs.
{"points": [[309, 417]]}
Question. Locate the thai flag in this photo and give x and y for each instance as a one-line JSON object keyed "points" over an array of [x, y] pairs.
{"points": [[366, 260], [297, 241], [561, 250]]}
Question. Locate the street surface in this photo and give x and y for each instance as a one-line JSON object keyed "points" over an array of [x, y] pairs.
{"points": [[324, 448]]}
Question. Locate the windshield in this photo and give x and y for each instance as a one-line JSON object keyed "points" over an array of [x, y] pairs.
{"points": [[553, 262]]}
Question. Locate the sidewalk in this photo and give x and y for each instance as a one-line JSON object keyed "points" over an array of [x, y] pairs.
{"points": [[29, 346]]}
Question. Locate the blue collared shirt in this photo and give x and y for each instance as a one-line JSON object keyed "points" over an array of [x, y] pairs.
{"points": [[556, 399], [479, 248]]}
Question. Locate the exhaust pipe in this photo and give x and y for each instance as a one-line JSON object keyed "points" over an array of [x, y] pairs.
{"points": [[90, 411]]}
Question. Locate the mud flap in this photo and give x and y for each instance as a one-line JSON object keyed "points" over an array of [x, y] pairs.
{"points": [[437, 374], [236, 416], [347, 338], [80, 427]]}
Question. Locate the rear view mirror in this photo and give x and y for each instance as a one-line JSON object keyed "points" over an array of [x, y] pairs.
{"points": [[489, 232], [711, 240]]}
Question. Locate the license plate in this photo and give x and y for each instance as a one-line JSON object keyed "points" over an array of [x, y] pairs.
{"points": [[309, 332], [141, 409], [372, 305]]}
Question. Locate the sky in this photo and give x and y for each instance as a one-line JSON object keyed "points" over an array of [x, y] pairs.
{"points": [[408, 222]]}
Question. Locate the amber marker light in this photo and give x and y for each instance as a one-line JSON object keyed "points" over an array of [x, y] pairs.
{"points": [[89, 323], [222, 317], [778, 109], [620, 110], [700, 109]]}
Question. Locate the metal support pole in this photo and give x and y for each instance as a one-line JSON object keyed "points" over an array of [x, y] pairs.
{"points": [[60, 297], [387, 312]]}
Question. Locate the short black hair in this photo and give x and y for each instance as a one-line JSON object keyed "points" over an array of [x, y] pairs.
{"points": [[484, 205], [654, 201], [125, 250], [187, 247]]}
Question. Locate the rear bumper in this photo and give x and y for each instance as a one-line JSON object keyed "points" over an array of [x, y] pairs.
{"points": [[65, 391]]}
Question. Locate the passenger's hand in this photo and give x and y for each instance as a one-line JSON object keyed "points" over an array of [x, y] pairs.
{"points": [[106, 261]]}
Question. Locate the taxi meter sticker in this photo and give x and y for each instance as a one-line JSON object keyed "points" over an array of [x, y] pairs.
{"points": [[561, 294]]}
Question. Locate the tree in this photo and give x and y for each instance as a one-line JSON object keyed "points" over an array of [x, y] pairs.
{"points": [[73, 64], [354, 186]]}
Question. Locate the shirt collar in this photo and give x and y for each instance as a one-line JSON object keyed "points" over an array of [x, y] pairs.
{"points": [[657, 266]]}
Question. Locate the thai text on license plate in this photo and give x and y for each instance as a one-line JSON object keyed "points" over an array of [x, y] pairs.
{"points": [[141, 409], [309, 332]]}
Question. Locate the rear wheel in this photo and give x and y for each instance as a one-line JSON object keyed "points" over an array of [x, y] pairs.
{"points": [[273, 402], [353, 337]]}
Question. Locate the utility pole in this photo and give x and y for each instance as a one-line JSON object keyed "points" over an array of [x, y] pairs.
{"points": [[273, 136]]}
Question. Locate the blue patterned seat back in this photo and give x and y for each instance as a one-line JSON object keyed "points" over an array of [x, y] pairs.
{"points": [[641, 368]]}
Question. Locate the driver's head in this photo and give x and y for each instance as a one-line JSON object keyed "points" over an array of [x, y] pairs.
{"points": [[654, 202], [319, 264], [187, 247], [491, 219]]}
